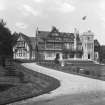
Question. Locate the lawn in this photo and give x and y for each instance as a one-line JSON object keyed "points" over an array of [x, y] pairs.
{"points": [[12, 88], [83, 68]]}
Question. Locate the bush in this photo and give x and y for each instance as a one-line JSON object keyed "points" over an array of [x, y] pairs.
{"points": [[87, 72]]}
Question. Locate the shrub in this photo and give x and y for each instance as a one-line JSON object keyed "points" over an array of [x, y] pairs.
{"points": [[87, 72]]}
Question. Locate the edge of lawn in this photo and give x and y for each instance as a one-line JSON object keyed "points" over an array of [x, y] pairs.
{"points": [[54, 83], [70, 71]]}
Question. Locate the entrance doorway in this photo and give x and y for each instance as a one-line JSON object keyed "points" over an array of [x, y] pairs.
{"points": [[88, 56], [57, 55]]}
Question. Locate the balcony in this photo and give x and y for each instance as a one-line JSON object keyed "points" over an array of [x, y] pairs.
{"points": [[51, 48], [55, 40], [73, 50]]}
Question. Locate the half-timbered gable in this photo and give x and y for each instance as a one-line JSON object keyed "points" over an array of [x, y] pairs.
{"points": [[22, 47]]}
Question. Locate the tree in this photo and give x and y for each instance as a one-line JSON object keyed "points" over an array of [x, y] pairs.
{"points": [[5, 42], [102, 54]]}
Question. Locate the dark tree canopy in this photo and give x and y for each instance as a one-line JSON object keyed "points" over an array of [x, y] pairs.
{"points": [[5, 40], [102, 53]]}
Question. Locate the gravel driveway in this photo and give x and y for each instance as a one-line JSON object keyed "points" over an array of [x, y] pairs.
{"points": [[74, 90]]}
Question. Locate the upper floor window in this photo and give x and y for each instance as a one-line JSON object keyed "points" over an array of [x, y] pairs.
{"points": [[79, 47], [88, 38], [89, 46], [69, 45], [20, 44], [65, 39], [55, 34], [57, 38]]}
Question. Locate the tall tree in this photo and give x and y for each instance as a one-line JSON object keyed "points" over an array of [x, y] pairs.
{"points": [[5, 42]]}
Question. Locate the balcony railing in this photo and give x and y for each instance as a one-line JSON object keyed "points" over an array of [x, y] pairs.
{"points": [[74, 50], [50, 48]]}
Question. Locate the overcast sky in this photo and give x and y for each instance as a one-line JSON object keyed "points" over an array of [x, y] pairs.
{"points": [[25, 15]]}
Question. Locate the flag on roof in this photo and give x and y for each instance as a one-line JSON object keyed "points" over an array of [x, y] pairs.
{"points": [[83, 18]]}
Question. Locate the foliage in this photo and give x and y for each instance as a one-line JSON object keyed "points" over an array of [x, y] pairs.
{"points": [[102, 54], [5, 42], [5, 39]]}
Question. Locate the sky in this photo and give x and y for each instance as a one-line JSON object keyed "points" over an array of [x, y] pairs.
{"points": [[26, 15]]}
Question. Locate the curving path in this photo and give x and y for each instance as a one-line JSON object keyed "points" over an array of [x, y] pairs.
{"points": [[74, 90]]}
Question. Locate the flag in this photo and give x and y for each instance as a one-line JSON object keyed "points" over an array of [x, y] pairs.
{"points": [[84, 18]]}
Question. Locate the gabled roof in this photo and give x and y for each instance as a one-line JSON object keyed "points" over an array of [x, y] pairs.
{"points": [[43, 34], [26, 38]]}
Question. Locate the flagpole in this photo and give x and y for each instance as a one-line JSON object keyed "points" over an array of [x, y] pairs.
{"points": [[75, 34], [34, 45]]}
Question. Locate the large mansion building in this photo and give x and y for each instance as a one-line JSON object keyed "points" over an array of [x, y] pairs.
{"points": [[48, 44]]}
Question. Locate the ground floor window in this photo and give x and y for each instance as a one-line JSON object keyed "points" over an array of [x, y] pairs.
{"points": [[68, 55], [71, 55], [21, 54], [79, 55], [50, 55], [64, 56], [96, 56]]}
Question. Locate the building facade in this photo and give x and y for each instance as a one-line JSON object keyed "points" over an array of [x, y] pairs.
{"points": [[48, 44], [69, 46], [87, 39]]}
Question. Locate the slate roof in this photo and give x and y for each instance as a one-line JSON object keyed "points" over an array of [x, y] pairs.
{"points": [[45, 34], [42, 35]]}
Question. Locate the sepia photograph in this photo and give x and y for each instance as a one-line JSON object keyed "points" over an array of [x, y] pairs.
{"points": [[52, 52]]}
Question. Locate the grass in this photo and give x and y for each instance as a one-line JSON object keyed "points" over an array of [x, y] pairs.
{"points": [[13, 89], [89, 69], [4, 87]]}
